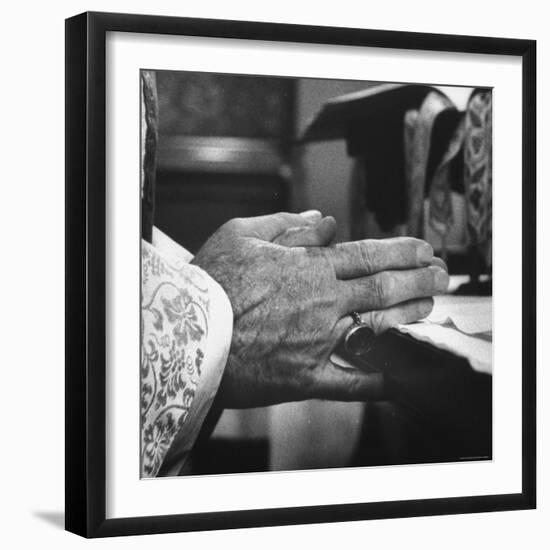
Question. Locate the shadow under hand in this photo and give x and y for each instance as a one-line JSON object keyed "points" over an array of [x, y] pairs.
{"points": [[57, 519]]}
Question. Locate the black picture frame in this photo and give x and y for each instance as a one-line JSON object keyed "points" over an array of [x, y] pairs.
{"points": [[86, 269]]}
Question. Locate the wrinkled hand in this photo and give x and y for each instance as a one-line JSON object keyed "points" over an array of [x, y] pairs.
{"points": [[291, 299]]}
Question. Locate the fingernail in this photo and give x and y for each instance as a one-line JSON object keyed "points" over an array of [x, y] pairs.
{"points": [[439, 263], [441, 279], [424, 253], [312, 215]]}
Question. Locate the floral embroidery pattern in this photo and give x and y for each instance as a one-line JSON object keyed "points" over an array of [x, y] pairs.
{"points": [[174, 327], [149, 355], [181, 311], [172, 374], [157, 440]]}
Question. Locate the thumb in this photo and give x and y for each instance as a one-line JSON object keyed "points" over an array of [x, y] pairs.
{"points": [[318, 234], [269, 227]]}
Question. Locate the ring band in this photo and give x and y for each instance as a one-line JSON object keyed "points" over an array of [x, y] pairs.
{"points": [[356, 318], [359, 337]]}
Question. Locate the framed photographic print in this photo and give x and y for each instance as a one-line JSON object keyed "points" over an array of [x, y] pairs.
{"points": [[300, 281]]}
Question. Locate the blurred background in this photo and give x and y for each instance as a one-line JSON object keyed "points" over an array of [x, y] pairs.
{"points": [[383, 159]]}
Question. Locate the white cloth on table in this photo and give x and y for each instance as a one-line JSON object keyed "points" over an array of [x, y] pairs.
{"points": [[462, 325]]}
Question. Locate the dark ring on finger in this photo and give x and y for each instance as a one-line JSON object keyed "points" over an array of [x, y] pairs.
{"points": [[359, 338]]}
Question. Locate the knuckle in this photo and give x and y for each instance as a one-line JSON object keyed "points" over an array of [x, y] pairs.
{"points": [[324, 257], [243, 227], [234, 225], [365, 253], [383, 287]]}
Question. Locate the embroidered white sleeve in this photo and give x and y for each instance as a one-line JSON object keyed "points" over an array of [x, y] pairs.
{"points": [[186, 327]]}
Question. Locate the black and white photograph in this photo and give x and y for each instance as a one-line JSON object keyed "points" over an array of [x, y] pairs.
{"points": [[300, 274], [285, 263], [316, 273]]}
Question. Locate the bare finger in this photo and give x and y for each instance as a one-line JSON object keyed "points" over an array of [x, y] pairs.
{"points": [[382, 320], [342, 384], [389, 288], [440, 263], [360, 258]]}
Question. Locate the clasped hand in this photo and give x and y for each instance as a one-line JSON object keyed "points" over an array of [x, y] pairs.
{"points": [[292, 292]]}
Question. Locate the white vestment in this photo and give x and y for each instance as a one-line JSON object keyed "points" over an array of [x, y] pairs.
{"points": [[186, 328]]}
